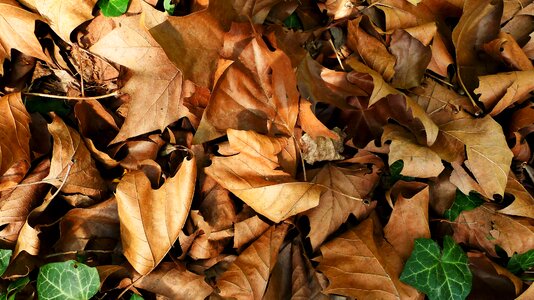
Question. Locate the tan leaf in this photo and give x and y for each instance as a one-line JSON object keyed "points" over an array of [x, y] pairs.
{"points": [[310, 124], [183, 38], [251, 176], [70, 153], [523, 204], [14, 140], [488, 155], [152, 219], [307, 283], [322, 148], [419, 160], [64, 15], [174, 281], [216, 207], [247, 276], [528, 294], [208, 243], [371, 50], [499, 91], [256, 10], [505, 49], [16, 204], [248, 230], [151, 108], [258, 92], [334, 207], [361, 266], [17, 27], [409, 220]]}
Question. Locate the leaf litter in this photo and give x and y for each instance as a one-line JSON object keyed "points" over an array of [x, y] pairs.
{"points": [[266, 149]]}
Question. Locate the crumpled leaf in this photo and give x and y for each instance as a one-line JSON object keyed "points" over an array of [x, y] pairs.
{"points": [[251, 176], [14, 140], [523, 204], [64, 15], [440, 275], [499, 91], [247, 276], [490, 279], [258, 92], [505, 49], [361, 266], [152, 219], [256, 10], [151, 108], [322, 148]]}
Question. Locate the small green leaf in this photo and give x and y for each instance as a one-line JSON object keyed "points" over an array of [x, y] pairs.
{"points": [[439, 275], [395, 171], [293, 22], [521, 262], [169, 6], [14, 288], [5, 256], [68, 280], [461, 203], [113, 8], [136, 297]]}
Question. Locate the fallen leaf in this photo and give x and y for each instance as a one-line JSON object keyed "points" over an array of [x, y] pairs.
{"points": [[152, 219], [505, 48], [310, 124], [412, 59], [14, 140], [359, 265], [491, 279], [322, 148], [248, 230], [523, 203], [64, 16], [255, 10], [247, 276]]}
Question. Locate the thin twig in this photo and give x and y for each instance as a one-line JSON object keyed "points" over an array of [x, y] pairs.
{"points": [[116, 93], [76, 252], [439, 79]]}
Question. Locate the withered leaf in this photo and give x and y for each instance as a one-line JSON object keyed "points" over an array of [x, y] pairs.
{"points": [[152, 219], [64, 16], [523, 203], [412, 59]]}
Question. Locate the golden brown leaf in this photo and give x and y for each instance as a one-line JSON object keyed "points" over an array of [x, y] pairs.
{"points": [[505, 49], [247, 276], [412, 59], [523, 204], [14, 140], [64, 15], [248, 230], [152, 219]]}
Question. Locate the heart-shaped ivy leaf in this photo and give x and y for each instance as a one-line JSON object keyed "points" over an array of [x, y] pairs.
{"points": [[68, 280]]}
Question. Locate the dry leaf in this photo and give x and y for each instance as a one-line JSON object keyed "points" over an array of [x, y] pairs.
{"points": [[491, 279], [152, 219], [64, 15], [248, 230], [505, 49], [523, 204], [322, 148], [412, 59]]}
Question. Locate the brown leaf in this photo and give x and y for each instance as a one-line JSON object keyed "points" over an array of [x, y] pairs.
{"points": [[83, 225], [14, 140], [360, 265], [256, 10], [174, 281], [412, 59], [409, 219], [64, 16], [151, 108], [442, 192], [310, 124], [184, 38], [216, 206], [371, 50], [208, 243], [523, 204], [499, 91], [492, 280], [248, 230], [334, 207], [251, 176], [528, 294], [152, 219], [257, 92], [307, 283], [505, 49], [479, 24], [70, 153], [247, 276], [419, 160], [16, 204], [520, 26], [17, 32], [322, 148]]}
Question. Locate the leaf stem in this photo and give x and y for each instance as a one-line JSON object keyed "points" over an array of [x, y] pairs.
{"points": [[116, 93], [364, 201]]}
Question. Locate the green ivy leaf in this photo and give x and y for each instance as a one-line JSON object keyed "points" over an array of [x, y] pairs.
{"points": [[5, 256], [68, 280], [439, 275], [14, 288], [521, 262], [461, 203], [293, 22], [169, 6], [136, 297], [113, 8]]}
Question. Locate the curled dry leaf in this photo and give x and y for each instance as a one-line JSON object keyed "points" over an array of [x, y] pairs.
{"points": [[256, 10], [72, 162], [322, 148], [252, 176], [360, 265], [258, 92], [334, 206], [523, 203], [14, 140], [505, 49], [247, 276], [152, 219], [64, 16], [499, 91]]}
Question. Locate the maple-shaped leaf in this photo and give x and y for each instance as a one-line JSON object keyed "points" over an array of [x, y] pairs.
{"points": [[364, 267], [152, 219], [461, 203], [247, 276], [192, 42], [252, 176], [440, 275], [14, 140], [72, 162], [151, 108], [257, 92], [174, 281], [17, 32], [64, 16], [334, 207]]}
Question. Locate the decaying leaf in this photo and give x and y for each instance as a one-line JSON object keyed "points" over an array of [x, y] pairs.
{"points": [[65, 16]]}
